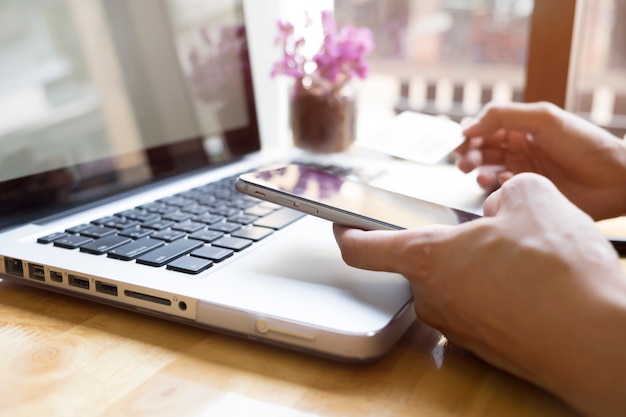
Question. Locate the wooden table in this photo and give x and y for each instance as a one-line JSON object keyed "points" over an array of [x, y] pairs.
{"points": [[60, 356]]}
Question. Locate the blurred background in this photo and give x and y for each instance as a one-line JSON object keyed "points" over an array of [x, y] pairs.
{"points": [[444, 57], [452, 56]]}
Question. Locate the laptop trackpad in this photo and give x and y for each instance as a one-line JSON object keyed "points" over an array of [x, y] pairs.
{"points": [[300, 276]]}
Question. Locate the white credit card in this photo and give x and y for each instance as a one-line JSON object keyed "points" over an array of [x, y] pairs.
{"points": [[416, 137]]}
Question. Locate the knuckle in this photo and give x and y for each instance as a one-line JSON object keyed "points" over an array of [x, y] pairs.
{"points": [[423, 250], [549, 111]]}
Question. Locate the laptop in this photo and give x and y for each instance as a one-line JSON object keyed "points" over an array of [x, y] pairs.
{"points": [[127, 125]]}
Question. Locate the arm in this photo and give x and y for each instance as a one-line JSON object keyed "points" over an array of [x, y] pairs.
{"points": [[534, 289], [585, 162]]}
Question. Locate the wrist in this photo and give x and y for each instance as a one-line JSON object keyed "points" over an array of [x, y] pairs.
{"points": [[591, 373]]}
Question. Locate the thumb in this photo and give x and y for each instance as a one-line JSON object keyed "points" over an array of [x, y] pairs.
{"points": [[412, 252], [371, 250], [515, 193], [492, 203]]}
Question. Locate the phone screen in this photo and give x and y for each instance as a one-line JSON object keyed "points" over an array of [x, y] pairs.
{"points": [[345, 201]]}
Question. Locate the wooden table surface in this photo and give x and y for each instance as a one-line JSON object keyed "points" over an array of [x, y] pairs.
{"points": [[61, 356]]}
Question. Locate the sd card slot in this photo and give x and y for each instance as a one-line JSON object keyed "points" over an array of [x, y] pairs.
{"points": [[146, 297]]}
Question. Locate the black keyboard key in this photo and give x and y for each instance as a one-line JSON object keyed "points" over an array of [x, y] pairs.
{"points": [[235, 243], [208, 218], [188, 226], [213, 253], [72, 241], [51, 237], [168, 253], [145, 217], [279, 218], [77, 229], [136, 232], [159, 208], [242, 218], [103, 220], [207, 200], [191, 194], [224, 211], [138, 214], [177, 216], [206, 235], [168, 235], [258, 211], [226, 227], [135, 249], [121, 223], [225, 194], [253, 232], [244, 203], [158, 224], [176, 201], [196, 209], [153, 206], [105, 244], [189, 265], [97, 232]]}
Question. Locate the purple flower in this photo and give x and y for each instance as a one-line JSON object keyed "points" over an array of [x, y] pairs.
{"points": [[340, 58]]}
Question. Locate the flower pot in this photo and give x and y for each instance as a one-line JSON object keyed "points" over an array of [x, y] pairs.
{"points": [[323, 121]]}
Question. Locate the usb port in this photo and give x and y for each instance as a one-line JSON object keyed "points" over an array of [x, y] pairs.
{"points": [[37, 272], [56, 276], [76, 281], [105, 288]]}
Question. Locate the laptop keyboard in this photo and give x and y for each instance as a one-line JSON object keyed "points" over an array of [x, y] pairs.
{"points": [[187, 232]]}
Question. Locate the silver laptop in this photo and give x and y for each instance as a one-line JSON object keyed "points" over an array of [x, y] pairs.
{"points": [[127, 123]]}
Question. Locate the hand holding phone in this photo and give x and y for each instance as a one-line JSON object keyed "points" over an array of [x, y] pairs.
{"points": [[344, 201]]}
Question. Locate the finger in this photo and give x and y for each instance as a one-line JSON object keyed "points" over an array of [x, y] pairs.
{"points": [[411, 253], [492, 177], [488, 180], [515, 193], [527, 117], [491, 206], [339, 231], [504, 176], [372, 250], [510, 196], [469, 144], [483, 151], [470, 160]]}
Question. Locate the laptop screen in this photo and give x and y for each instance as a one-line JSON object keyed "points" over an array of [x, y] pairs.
{"points": [[103, 96]]}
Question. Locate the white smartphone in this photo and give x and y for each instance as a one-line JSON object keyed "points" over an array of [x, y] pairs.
{"points": [[344, 201]]}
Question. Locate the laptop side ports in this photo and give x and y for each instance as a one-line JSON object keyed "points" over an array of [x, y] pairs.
{"points": [[56, 276], [76, 281], [36, 272], [105, 288], [14, 267]]}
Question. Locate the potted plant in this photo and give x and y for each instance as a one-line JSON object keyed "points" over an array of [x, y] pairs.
{"points": [[322, 100]]}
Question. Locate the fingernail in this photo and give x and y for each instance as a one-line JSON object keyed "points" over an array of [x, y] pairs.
{"points": [[475, 157]]}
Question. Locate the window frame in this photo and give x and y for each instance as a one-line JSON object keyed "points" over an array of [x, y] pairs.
{"points": [[551, 34]]}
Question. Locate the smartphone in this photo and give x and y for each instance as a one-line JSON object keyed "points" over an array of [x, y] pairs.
{"points": [[345, 201]]}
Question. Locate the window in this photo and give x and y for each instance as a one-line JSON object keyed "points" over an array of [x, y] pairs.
{"points": [[598, 87], [450, 57]]}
